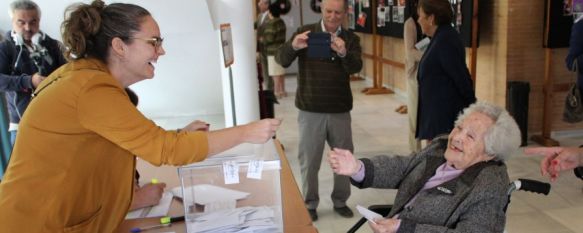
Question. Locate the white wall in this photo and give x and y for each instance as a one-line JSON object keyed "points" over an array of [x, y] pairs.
{"points": [[309, 15], [239, 14], [190, 79]]}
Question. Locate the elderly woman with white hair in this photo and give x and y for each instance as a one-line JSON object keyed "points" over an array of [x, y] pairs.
{"points": [[456, 184]]}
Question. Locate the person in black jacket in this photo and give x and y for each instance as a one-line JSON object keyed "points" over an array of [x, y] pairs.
{"points": [[574, 59], [445, 85], [27, 56]]}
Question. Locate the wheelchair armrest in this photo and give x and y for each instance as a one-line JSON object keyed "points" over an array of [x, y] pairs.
{"points": [[380, 209], [578, 172]]}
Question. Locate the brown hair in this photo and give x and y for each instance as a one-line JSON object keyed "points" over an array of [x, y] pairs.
{"points": [[440, 9], [89, 28]]}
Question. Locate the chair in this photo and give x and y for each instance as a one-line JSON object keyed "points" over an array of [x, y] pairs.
{"points": [[519, 184]]}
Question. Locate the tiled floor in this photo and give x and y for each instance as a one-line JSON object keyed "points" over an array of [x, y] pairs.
{"points": [[378, 129]]}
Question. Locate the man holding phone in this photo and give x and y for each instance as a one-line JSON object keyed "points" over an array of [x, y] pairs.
{"points": [[324, 98]]}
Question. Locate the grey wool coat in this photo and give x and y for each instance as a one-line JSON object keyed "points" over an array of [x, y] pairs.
{"points": [[473, 202]]}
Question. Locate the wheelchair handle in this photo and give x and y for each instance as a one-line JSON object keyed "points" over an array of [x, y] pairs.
{"points": [[530, 186]]}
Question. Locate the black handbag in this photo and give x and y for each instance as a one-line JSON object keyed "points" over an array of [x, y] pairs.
{"points": [[573, 112]]}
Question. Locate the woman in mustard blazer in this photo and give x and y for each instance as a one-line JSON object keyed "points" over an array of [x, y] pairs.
{"points": [[72, 168]]}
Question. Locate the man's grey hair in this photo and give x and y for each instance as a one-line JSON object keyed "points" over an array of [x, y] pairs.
{"points": [[503, 137], [344, 1], [23, 5]]}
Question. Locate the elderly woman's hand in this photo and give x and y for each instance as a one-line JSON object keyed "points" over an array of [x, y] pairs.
{"points": [[343, 162], [557, 159], [385, 225]]}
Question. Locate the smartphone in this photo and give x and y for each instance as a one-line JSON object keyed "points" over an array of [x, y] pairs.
{"points": [[319, 45]]}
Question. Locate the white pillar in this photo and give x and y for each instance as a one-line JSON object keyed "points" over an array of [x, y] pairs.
{"points": [[239, 14]]}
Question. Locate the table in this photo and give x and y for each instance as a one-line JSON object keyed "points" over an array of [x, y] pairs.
{"points": [[295, 214]]}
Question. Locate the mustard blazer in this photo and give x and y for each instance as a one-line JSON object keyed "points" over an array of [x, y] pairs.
{"points": [[73, 163]]}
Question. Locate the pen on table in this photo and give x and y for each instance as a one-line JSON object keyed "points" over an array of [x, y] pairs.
{"points": [[147, 210], [164, 222], [168, 220]]}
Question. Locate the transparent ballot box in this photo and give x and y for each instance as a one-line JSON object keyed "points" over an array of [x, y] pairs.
{"points": [[236, 191]]}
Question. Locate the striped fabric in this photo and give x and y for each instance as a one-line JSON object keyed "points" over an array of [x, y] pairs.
{"points": [[273, 32]]}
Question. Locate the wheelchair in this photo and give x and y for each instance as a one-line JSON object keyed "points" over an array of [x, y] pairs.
{"points": [[519, 184]]}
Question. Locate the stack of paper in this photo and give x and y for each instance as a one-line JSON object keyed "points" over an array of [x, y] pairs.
{"points": [[204, 194], [159, 210], [244, 219]]}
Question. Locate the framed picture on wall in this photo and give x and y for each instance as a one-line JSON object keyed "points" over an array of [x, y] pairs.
{"points": [[361, 21], [365, 3], [381, 16], [401, 14], [359, 16], [395, 14], [227, 44], [350, 14]]}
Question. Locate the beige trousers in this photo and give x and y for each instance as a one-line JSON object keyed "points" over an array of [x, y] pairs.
{"points": [[412, 102]]}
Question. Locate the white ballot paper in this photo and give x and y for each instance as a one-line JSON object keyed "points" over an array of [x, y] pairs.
{"points": [[260, 219], [159, 210], [368, 214]]}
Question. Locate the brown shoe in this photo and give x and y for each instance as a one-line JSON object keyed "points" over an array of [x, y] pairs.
{"points": [[344, 211], [403, 110], [313, 215], [400, 108]]}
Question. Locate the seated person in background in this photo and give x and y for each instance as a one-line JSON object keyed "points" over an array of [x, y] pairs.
{"points": [[150, 194], [455, 184]]}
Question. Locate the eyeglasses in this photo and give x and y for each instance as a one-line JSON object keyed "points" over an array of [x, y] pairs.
{"points": [[154, 41]]}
